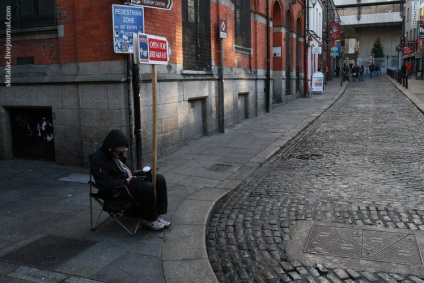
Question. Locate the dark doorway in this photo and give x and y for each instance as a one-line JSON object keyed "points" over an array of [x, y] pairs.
{"points": [[32, 133]]}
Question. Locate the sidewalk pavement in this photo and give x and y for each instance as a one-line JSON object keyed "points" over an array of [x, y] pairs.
{"points": [[45, 203], [415, 91]]}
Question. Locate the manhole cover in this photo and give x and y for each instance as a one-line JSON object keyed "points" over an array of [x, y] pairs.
{"points": [[220, 167], [342, 242], [391, 247], [48, 251]]}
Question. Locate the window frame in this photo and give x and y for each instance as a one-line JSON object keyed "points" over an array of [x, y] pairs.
{"points": [[196, 22]]}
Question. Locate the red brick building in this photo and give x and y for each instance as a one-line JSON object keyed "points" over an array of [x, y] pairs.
{"points": [[69, 88]]}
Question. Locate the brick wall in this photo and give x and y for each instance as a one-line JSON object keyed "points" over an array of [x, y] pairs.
{"points": [[78, 75], [87, 37]]}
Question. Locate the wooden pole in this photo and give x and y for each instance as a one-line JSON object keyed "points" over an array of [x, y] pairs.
{"points": [[154, 119]]}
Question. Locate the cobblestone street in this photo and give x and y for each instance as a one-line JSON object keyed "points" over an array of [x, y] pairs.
{"points": [[357, 170]]}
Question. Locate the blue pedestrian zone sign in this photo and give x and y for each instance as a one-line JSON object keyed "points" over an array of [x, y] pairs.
{"points": [[127, 20]]}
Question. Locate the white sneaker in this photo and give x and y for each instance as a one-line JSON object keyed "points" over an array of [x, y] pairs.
{"points": [[155, 225], [165, 223]]}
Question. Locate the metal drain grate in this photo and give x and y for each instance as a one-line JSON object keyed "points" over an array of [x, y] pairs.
{"points": [[219, 167], [309, 156], [341, 242], [391, 247], [48, 251]]}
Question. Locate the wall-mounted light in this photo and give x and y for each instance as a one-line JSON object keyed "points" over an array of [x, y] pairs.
{"points": [[314, 2]]}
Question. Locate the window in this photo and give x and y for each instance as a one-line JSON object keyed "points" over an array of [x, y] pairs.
{"points": [[366, 10], [242, 24], [196, 35], [29, 13], [25, 60], [387, 8]]}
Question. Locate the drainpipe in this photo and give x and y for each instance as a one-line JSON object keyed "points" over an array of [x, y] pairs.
{"points": [[130, 109], [325, 49], [221, 81], [221, 89], [306, 8], [268, 61], [137, 116], [257, 79]]}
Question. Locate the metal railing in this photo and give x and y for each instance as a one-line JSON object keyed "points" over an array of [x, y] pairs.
{"points": [[398, 76]]}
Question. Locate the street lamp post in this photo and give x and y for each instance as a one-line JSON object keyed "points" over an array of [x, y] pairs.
{"points": [[387, 62], [313, 60]]}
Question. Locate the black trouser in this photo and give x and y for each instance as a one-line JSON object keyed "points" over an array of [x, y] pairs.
{"points": [[150, 206]]}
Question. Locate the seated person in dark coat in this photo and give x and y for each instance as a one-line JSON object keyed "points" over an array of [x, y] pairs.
{"points": [[110, 172]]}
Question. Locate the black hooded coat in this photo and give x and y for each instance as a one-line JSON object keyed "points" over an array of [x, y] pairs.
{"points": [[108, 177], [104, 169]]}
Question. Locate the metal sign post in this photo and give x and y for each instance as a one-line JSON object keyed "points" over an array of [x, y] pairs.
{"points": [[154, 126]]}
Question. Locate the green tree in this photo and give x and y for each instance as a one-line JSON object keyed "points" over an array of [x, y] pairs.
{"points": [[377, 49]]}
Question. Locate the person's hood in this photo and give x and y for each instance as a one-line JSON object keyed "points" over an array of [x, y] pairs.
{"points": [[115, 138]]}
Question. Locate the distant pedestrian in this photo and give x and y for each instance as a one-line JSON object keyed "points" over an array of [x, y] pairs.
{"points": [[345, 73], [361, 73], [408, 69], [337, 71], [377, 70], [355, 72], [403, 70], [371, 67]]}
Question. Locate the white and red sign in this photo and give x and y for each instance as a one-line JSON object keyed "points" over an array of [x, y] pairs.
{"points": [[334, 31], [222, 29], [155, 4], [152, 49], [407, 50]]}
